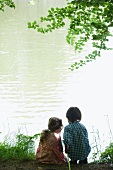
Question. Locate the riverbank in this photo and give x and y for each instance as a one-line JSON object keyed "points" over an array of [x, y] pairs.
{"points": [[33, 165]]}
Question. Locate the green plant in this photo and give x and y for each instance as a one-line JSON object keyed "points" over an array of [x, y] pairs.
{"points": [[4, 3], [69, 166], [22, 147], [98, 155], [107, 155], [96, 146]]}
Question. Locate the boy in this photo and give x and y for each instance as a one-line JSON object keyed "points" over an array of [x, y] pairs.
{"points": [[76, 137]]}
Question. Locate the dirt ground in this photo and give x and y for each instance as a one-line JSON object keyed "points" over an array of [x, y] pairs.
{"points": [[33, 165]]}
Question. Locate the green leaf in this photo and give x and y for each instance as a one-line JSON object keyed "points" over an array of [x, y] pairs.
{"points": [[87, 20]]}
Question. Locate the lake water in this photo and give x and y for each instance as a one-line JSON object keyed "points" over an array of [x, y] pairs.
{"points": [[35, 82]]}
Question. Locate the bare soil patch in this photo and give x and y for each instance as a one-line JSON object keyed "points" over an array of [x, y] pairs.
{"points": [[33, 165]]}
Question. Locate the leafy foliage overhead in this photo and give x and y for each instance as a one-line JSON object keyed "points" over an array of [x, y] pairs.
{"points": [[4, 3], [88, 20]]}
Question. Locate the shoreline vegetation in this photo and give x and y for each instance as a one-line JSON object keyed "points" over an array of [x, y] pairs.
{"points": [[19, 154]]}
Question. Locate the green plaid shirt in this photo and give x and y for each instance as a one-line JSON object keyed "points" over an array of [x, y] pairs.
{"points": [[76, 137]]}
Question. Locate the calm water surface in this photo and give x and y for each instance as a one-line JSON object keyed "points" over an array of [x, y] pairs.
{"points": [[35, 82]]}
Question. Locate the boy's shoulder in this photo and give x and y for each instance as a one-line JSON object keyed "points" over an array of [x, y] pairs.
{"points": [[68, 126], [75, 124]]}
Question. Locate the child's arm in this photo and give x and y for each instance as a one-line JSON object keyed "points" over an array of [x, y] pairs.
{"points": [[60, 145], [67, 138], [66, 148]]}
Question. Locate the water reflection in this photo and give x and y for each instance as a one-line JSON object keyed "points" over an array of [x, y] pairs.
{"points": [[33, 68]]}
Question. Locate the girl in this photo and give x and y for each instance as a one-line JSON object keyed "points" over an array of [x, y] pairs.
{"points": [[50, 148]]}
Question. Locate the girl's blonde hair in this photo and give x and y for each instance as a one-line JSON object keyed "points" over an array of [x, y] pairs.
{"points": [[44, 135]]}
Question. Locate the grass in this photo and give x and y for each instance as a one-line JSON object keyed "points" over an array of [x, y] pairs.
{"points": [[21, 147], [98, 155], [107, 155]]}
